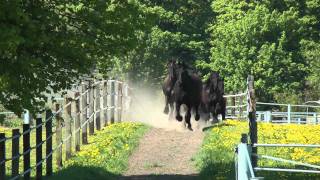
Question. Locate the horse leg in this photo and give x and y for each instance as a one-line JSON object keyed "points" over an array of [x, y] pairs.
{"points": [[166, 108], [171, 110], [223, 113], [188, 118], [178, 115], [214, 115], [197, 116], [214, 118]]}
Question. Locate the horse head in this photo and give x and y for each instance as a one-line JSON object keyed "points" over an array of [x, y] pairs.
{"points": [[213, 81], [183, 74], [172, 69]]}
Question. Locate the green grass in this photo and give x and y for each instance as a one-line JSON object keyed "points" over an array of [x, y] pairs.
{"points": [[106, 156], [215, 160]]}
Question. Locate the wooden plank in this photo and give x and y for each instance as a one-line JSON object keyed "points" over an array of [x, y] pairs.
{"points": [[26, 151], [97, 111], [39, 146], [233, 103], [241, 108], [15, 152], [84, 110], [2, 155], [120, 108], [91, 108], [105, 103], [112, 102], [49, 142], [76, 109], [58, 137], [68, 121]]}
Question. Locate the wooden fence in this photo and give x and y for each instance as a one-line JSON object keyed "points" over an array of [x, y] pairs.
{"points": [[61, 130], [236, 106]]}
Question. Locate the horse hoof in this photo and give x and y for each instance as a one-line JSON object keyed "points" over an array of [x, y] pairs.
{"points": [[197, 117], [179, 118], [166, 111]]}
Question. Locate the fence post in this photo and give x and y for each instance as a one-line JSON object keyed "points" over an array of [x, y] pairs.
{"points": [[2, 155], [243, 169], [26, 146], [315, 118], [104, 103], [127, 101], [67, 120], [91, 108], [241, 108], [76, 108], [289, 113], [112, 103], [97, 110], [233, 104], [49, 117], [252, 118], [39, 146], [119, 106], [268, 116], [84, 111], [58, 136], [15, 152]]}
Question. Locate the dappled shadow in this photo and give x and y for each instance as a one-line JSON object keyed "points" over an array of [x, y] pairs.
{"points": [[272, 175], [207, 128], [161, 177], [227, 171], [88, 173], [83, 173], [224, 170]]}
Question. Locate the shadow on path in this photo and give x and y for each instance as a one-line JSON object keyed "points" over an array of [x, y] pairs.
{"points": [[160, 177]]}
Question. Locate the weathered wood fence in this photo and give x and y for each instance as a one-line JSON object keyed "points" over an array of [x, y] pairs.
{"points": [[62, 129]]}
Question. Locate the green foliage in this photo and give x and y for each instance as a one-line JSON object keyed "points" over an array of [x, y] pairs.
{"points": [[264, 39], [46, 45], [11, 123], [180, 32]]}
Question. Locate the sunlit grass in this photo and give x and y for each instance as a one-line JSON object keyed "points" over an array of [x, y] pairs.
{"points": [[216, 157]]}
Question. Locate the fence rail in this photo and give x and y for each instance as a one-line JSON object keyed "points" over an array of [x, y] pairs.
{"points": [[236, 106], [90, 107], [247, 153]]}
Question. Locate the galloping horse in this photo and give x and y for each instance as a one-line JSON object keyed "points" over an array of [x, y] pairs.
{"points": [[167, 86], [187, 90], [212, 97]]}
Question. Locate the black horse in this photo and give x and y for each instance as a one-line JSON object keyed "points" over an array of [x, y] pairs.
{"points": [[187, 90], [168, 85], [212, 97]]}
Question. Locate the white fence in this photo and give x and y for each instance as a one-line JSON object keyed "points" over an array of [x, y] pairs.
{"points": [[301, 117]]}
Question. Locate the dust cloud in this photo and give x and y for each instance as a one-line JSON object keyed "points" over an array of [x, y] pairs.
{"points": [[147, 106]]}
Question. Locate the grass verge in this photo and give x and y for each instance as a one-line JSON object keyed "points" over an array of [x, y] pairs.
{"points": [[215, 160], [106, 155]]}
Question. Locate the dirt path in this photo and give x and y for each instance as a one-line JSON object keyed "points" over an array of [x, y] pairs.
{"points": [[165, 154]]}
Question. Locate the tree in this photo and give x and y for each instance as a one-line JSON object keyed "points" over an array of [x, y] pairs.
{"points": [[180, 32], [263, 38], [48, 45]]}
